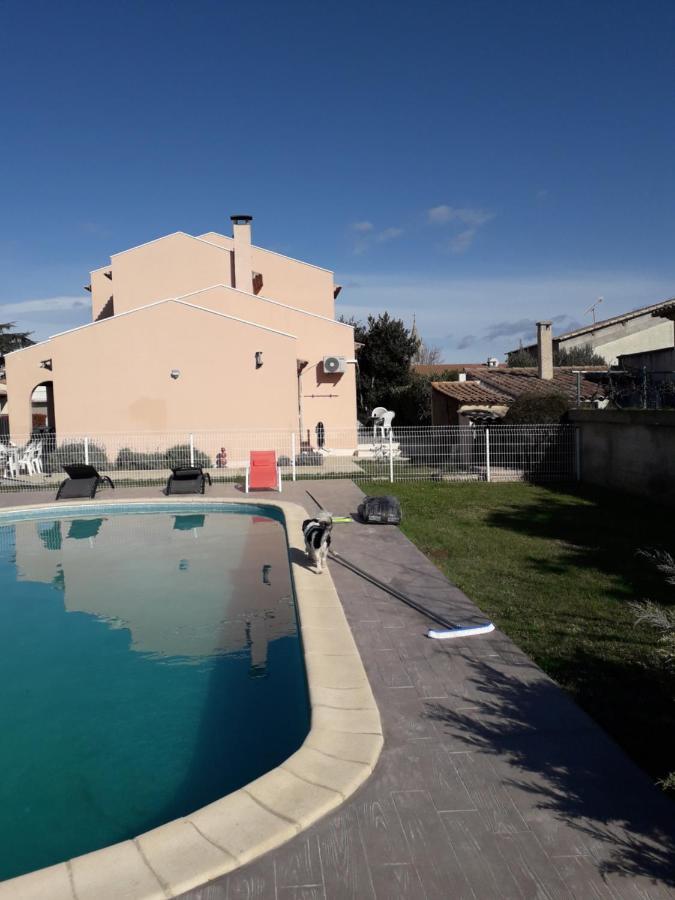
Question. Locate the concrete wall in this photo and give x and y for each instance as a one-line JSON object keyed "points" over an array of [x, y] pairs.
{"points": [[630, 450]]}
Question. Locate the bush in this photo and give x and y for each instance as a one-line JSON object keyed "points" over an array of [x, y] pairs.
{"points": [[135, 459], [66, 454], [537, 409], [178, 455]]}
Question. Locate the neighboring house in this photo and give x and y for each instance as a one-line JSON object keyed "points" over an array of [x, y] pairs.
{"points": [[487, 393], [644, 329], [195, 334], [659, 363]]}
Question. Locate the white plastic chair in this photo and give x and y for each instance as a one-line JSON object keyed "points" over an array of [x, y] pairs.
{"points": [[385, 424], [376, 415], [11, 467], [25, 461]]}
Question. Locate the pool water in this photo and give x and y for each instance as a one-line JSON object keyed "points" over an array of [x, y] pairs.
{"points": [[151, 664]]}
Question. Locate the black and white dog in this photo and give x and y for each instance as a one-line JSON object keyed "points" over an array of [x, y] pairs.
{"points": [[316, 532]]}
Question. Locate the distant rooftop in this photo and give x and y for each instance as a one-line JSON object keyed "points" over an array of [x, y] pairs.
{"points": [[666, 306]]}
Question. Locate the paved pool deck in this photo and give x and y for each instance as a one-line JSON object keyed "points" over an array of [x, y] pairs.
{"points": [[492, 783]]}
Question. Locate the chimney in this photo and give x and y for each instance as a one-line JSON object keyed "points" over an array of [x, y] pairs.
{"points": [[462, 376], [544, 351], [243, 268]]}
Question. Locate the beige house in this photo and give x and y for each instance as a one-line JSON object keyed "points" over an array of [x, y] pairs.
{"points": [[205, 333], [638, 331]]}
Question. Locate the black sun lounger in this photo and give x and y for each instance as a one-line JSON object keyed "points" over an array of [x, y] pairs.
{"points": [[187, 480], [82, 481]]}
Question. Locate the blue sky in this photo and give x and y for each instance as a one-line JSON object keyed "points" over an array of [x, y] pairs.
{"points": [[482, 164]]}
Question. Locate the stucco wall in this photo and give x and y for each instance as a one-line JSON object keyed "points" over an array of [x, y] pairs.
{"points": [[634, 335], [169, 267], [114, 376], [288, 280], [330, 399], [630, 450]]}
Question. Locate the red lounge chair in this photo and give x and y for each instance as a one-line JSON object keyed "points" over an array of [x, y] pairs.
{"points": [[262, 472]]}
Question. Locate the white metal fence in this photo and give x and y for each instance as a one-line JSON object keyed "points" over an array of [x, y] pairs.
{"points": [[435, 453]]}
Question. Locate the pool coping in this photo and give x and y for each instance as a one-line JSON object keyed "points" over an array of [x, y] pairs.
{"points": [[339, 753]]}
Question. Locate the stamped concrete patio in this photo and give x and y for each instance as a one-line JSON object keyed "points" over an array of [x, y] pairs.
{"points": [[492, 782]]}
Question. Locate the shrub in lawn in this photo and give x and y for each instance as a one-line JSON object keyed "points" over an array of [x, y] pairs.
{"points": [[661, 619]]}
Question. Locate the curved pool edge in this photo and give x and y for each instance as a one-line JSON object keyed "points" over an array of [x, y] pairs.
{"points": [[339, 753]]}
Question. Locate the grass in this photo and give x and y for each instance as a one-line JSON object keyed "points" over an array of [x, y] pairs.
{"points": [[555, 568]]}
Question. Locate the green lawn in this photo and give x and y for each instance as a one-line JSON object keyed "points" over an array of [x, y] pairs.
{"points": [[555, 568]]}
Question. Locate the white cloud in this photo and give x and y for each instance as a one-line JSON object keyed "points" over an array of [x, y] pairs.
{"points": [[368, 236], [444, 215], [461, 242], [493, 312], [46, 304], [389, 234], [47, 315], [468, 220]]}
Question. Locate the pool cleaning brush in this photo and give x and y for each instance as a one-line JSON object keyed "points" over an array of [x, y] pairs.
{"points": [[448, 630], [460, 631]]}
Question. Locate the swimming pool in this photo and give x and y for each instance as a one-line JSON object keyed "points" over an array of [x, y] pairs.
{"points": [[151, 664]]}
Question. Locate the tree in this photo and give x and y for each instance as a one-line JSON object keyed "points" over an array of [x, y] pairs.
{"points": [[426, 355], [412, 402], [384, 359], [584, 355], [521, 358], [13, 340]]}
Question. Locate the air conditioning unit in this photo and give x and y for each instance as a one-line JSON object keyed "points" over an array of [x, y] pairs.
{"points": [[334, 365]]}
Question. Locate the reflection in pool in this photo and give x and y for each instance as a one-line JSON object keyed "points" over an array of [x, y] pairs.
{"points": [[151, 665]]}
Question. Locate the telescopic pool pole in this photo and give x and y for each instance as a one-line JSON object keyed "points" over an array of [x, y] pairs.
{"points": [[447, 630]]}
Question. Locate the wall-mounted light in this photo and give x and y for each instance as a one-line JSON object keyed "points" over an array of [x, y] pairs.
{"points": [[46, 364], [258, 359], [175, 373]]}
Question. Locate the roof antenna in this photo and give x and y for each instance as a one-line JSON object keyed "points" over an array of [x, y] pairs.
{"points": [[591, 309]]}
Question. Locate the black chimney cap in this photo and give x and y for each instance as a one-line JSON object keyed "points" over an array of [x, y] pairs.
{"points": [[241, 220]]}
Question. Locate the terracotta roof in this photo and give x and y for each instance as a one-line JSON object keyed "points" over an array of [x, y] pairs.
{"points": [[471, 392], [500, 387], [439, 368], [514, 382]]}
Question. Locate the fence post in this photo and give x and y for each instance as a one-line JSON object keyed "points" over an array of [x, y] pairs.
{"points": [[577, 452], [293, 455], [391, 456], [86, 451], [192, 449], [487, 454]]}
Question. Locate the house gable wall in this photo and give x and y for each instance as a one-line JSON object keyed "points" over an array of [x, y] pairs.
{"points": [[289, 280], [115, 376], [330, 399], [169, 267]]}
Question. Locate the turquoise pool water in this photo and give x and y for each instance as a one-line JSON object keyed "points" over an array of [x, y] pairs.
{"points": [[151, 663]]}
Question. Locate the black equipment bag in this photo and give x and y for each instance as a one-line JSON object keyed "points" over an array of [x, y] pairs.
{"points": [[380, 510]]}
